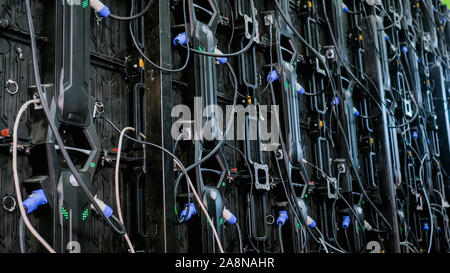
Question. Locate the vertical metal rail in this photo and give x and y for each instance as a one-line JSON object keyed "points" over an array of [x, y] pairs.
{"points": [[384, 161], [161, 219]]}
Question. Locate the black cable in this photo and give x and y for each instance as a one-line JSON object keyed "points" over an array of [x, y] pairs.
{"points": [[133, 38], [280, 237], [283, 147], [240, 52], [358, 178], [334, 90], [340, 195], [238, 230], [271, 63], [288, 197], [313, 50], [285, 156], [183, 169], [252, 181], [347, 239], [132, 17], [337, 190], [398, 20], [427, 199], [22, 235], [334, 224], [342, 129], [230, 122], [232, 25], [342, 60], [55, 131]]}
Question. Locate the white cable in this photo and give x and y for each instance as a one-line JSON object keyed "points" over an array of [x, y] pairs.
{"points": [[16, 178], [197, 198], [324, 245], [213, 229], [116, 179]]}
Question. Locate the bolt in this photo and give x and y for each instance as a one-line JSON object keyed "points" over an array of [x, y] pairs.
{"points": [[213, 195]]}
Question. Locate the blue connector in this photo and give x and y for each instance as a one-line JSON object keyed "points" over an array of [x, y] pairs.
{"points": [[335, 101], [439, 229], [444, 19], [283, 216], [104, 12], [228, 216], [223, 60], [107, 210], [344, 8], [300, 90], [273, 76], [415, 134], [405, 49], [346, 222], [355, 112], [192, 211], [387, 38], [426, 227], [34, 200], [310, 222], [100, 8], [181, 39]]}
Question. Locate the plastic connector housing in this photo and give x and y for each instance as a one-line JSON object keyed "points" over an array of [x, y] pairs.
{"points": [[367, 226], [310, 222], [355, 112], [273, 76], [34, 200], [100, 8], [345, 222], [299, 89], [282, 217], [344, 8], [107, 210], [220, 60], [192, 211], [228, 216], [335, 101], [181, 39]]}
